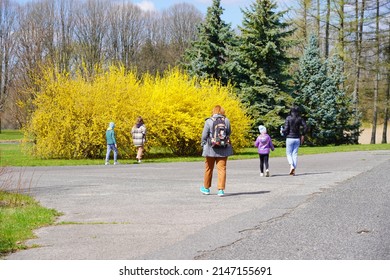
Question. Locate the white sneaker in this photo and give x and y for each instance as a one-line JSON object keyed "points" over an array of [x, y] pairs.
{"points": [[116, 163], [261, 174], [107, 163], [267, 173]]}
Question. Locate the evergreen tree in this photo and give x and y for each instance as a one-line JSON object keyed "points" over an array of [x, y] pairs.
{"points": [[209, 55], [310, 77], [326, 106], [263, 64]]}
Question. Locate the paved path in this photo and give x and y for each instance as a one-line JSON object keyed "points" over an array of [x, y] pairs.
{"points": [[155, 211]]}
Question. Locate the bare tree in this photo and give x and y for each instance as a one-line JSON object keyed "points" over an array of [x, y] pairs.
{"points": [[377, 77], [387, 104], [64, 34], [126, 34], [182, 20], [304, 14], [90, 31], [359, 18], [306, 6], [387, 98], [7, 29], [318, 18], [152, 56], [35, 35], [341, 33], [169, 34], [35, 47], [327, 28]]}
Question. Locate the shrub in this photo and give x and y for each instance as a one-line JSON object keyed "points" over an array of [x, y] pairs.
{"points": [[72, 113]]}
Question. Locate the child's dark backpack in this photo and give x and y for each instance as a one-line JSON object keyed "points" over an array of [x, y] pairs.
{"points": [[219, 136]]}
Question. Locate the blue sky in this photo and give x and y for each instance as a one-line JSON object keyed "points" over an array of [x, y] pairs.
{"points": [[232, 8]]}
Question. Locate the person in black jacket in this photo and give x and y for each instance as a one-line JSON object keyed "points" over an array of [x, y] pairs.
{"points": [[294, 129]]}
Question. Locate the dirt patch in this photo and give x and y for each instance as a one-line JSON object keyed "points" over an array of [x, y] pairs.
{"points": [[365, 137]]}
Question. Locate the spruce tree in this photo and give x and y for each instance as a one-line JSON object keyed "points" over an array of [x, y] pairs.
{"points": [[338, 124], [209, 55], [263, 59], [309, 79], [326, 106]]}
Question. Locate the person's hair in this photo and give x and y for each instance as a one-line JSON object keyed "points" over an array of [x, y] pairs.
{"points": [[294, 111], [218, 110], [295, 117], [139, 121]]}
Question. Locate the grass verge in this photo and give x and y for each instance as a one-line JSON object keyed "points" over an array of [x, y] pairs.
{"points": [[11, 135], [19, 216], [12, 155]]}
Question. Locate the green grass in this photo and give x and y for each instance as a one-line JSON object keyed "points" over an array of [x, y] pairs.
{"points": [[19, 216], [11, 153], [11, 135]]}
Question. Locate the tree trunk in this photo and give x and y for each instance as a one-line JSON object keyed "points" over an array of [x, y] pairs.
{"points": [[318, 19], [376, 83], [387, 101], [358, 56], [386, 118], [341, 50], [327, 26], [306, 6]]}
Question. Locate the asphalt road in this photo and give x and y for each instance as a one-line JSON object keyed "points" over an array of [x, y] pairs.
{"points": [[337, 207]]}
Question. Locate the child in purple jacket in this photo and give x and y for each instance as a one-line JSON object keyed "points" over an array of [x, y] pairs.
{"points": [[264, 145]]}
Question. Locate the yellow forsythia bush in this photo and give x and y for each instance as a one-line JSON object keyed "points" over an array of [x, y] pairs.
{"points": [[72, 114]]}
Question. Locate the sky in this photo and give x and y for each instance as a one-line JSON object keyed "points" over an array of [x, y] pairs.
{"points": [[232, 8], [231, 14]]}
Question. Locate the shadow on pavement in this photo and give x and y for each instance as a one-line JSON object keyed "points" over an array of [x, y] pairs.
{"points": [[300, 174], [246, 193]]}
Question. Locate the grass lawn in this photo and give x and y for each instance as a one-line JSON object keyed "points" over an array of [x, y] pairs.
{"points": [[11, 154], [11, 135], [19, 216]]}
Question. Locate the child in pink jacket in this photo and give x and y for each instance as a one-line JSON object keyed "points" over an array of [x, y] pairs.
{"points": [[264, 145]]}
